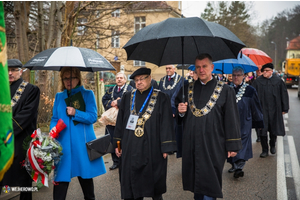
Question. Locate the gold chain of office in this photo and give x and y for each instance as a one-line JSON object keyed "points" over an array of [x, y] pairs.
{"points": [[18, 93], [210, 104], [139, 130], [169, 86]]}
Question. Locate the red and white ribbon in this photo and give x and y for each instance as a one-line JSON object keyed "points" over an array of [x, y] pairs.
{"points": [[35, 166]]}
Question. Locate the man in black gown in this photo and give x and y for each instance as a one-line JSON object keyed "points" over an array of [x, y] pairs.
{"points": [[25, 101], [274, 100], [112, 98], [211, 131], [250, 117], [143, 129]]}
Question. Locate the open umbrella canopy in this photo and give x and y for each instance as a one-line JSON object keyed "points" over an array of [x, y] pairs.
{"points": [[226, 66], [257, 56], [179, 66], [180, 40], [56, 58]]}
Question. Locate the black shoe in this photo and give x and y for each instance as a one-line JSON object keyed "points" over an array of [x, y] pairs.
{"points": [[258, 139], [231, 170], [238, 173], [114, 167], [273, 150], [264, 154]]}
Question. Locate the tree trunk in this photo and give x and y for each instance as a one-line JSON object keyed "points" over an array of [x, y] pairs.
{"points": [[41, 26], [59, 24], [19, 37], [51, 24], [69, 23]]}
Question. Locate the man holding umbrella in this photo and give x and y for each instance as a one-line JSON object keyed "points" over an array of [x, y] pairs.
{"points": [[25, 102], [211, 131], [143, 129]]}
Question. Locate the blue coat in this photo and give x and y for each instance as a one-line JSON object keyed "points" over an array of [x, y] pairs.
{"points": [[251, 116], [74, 161]]}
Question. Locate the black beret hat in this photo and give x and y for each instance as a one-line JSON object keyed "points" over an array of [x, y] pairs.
{"points": [[141, 71], [268, 65], [14, 63]]}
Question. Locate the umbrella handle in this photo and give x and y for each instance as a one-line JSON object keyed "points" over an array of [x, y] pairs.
{"points": [[182, 59]]}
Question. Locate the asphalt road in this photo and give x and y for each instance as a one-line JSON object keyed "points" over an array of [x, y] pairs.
{"points": [[271, 178]]}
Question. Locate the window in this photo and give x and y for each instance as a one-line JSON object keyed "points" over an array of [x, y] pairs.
{"points": [[116, 13], [115, 39], [139, 23], [179, 5], [138, 63], [80, 28]]}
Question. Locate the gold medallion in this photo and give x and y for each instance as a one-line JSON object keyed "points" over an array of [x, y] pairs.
{"points": [[140, 122], [139, 132]]}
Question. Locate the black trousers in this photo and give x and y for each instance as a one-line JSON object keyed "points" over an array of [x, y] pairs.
{"points": [[264, 142], [157, 197], [239, 164], [25, 181], [87, 186], [110, 130]]}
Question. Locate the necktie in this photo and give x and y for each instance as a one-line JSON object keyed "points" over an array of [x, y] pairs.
{"points": [[118, 89], [169, 78]]}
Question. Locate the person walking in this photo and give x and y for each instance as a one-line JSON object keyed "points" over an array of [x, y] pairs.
{"points": [[25, 99], [143, 130], [211, 131], [274, 99], [250, 117], [171, 84], [112, 98], [79, 118]]}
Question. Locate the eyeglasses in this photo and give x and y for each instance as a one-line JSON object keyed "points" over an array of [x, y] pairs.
{"points": [[267, 70], [237, 75], [13, 70], [68, 79], [141, 79]]}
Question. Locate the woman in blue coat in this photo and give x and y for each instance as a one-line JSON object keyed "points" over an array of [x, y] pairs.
{"points": [[74, 161]]}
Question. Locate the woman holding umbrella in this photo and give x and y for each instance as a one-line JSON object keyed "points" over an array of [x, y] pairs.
{"points": [[79, 119]]}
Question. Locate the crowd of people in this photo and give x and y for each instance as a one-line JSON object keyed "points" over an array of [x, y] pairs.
{"points": [[206, 119]]}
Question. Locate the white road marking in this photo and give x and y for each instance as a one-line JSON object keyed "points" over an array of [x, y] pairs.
{"points": [[281, 180], [288, 166], [295, 165]]}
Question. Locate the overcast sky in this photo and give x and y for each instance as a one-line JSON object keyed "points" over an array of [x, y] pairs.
{"points": [[261, 9]]}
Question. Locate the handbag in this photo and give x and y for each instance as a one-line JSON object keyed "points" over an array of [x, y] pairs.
{"points": [[109, 117], [99, 147]]}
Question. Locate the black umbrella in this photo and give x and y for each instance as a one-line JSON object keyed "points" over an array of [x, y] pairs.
{"points": [[180, 40], [56, 58]]}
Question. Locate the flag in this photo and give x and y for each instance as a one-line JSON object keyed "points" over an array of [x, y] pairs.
{"points": [[6, 128]]}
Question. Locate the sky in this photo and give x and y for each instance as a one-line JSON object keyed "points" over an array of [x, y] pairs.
{"points": [[261, 9]]}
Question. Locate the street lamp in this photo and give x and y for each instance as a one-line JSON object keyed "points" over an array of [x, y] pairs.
{"points": [[275, 51]]}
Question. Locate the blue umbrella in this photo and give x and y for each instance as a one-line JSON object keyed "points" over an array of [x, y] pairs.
{"points": [[226, 66]]}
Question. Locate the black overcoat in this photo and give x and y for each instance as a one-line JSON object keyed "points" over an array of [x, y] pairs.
{"points": [[207, 139], [274, 99], [143, 170], [24, 123]]}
